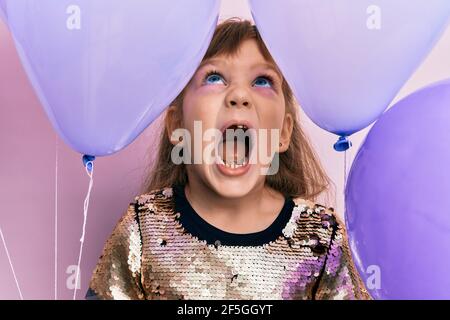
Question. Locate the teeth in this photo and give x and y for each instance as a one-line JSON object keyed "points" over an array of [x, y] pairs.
{"points": [[234, 164], [238, 126]]}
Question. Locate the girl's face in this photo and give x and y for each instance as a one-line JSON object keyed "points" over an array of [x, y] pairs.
{"points": [[245, 90]]}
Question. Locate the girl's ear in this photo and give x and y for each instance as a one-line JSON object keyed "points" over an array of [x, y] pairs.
{"points": [[286, 133], [173, 121]]}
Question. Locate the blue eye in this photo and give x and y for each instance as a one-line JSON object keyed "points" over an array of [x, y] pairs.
{"points": [[263, 82], [213, 77]]}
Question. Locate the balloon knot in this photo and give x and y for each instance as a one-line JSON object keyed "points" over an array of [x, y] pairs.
{"points": [[87, 162], [342, 144]]}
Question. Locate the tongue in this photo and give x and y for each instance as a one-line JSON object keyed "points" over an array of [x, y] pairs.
{"points": [[232, 152]]}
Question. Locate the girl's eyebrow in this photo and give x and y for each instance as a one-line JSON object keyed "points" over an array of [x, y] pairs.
{"points": [[269, 66], [210, 62], [265, 65]]}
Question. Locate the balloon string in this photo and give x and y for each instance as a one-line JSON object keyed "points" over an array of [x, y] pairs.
{"points": [[10, 264], [56, 218], [90, 172]]}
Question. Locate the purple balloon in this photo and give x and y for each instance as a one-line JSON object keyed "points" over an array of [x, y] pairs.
{"points": [[397, 199], [105, 69], [2, 10], [347, 59]]}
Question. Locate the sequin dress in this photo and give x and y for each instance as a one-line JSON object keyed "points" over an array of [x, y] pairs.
{"points": [[151, 255]]}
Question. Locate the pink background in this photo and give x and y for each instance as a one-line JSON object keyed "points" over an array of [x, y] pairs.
{"points": [[27, 178]]}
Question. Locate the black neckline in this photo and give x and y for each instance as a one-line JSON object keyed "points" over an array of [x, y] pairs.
{"points": [[193, 223]]}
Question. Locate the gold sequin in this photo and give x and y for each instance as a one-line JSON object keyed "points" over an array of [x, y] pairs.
{"points": [[151, 256]]}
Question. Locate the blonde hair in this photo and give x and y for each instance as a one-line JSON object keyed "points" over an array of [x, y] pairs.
{"points": [[300, 173]]}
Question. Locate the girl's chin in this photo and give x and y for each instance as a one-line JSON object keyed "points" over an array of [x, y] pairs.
{"points": [[234, 182]]}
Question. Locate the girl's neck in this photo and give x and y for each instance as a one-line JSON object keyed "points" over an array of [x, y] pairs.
{"points": [[251, 213]]}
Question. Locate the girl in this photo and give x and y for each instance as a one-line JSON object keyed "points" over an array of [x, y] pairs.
{"points": [[230, 229]]}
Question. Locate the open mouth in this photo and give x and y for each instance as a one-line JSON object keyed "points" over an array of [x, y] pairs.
{"points": [[235, 147]]}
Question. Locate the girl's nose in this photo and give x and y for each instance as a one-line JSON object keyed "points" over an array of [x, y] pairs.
{"points": [[238, 99], [233, 103]]}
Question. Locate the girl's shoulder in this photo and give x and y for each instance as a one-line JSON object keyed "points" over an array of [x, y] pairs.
{"points": [[316, 211], [154, 195], [154, 201], [314, 224]]}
